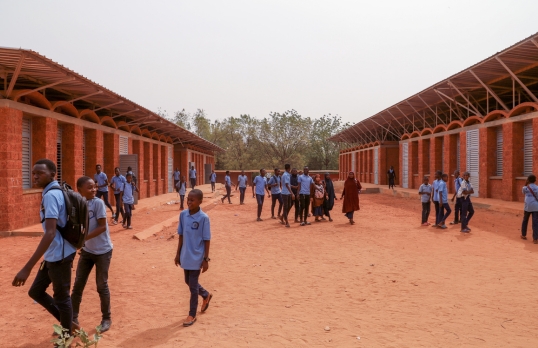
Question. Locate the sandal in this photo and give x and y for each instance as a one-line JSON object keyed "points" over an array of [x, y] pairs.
{"points": [[204, 306]]}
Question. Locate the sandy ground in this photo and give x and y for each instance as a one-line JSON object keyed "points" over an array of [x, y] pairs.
{"points": [[386, 280]]}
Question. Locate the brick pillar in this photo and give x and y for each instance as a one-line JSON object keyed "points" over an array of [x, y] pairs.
{"points": [[436, 155], [423, 158], [44, 137], [413, 163], [463, 151], [138, 149], [164, 168], [157, 168], [340, 169], [363, 165], [72, 153], [512, 158], [450, 156], [94, 151], [11, 204], [111, 159], [535, 145], [488, 160], [148, 169], [382, 165]]}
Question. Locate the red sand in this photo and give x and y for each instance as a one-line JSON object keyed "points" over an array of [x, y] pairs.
{"points": [[386, 280]]}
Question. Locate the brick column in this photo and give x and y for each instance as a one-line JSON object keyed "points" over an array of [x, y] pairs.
{"points": [[164, 168], [138, 149], [436, 155], [157, 168], [512, 158], [11, 204], [423, 162], [72, 153], [94, 151], [450, 155], [413, 163], [463, 151], [535, 145], [111, 159], [148, 169], [44, 137], [488, 160]]}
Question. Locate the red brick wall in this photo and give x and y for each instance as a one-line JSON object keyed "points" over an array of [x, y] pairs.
{"points": [[413, 162], [512, 158], [496, 188], [44, 137], [111, 143], [72, 153], [463, 151], [393, 159], [488, 159], [94, 150], [138, 149], [148, 168]]}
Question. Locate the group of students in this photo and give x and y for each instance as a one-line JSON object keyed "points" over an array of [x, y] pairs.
{"points": [[309, 195], [438, 193]]}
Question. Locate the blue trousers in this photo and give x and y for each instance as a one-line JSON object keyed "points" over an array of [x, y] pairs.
{"points": [[467, 211], [444, 212], [191, 279], [526, 216]]}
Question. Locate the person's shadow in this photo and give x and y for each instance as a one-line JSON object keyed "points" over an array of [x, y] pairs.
{"points": [[153, 337]]}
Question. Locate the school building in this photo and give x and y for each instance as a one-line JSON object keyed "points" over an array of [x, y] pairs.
{"points": [[483, 120], [49, 111]]}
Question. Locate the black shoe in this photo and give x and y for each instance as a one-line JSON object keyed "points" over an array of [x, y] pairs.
{"points": [[105, 325]]}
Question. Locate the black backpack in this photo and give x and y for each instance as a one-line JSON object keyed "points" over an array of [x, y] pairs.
{"points": [[76, 207]]}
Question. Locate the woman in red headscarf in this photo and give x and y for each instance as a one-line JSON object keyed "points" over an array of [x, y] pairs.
{"points": [[350, 195]]}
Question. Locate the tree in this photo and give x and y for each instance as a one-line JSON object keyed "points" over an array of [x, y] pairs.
{"points": [[183, 119], [323, 154]]}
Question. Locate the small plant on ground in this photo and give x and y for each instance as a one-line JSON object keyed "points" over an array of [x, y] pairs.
{"points": [[64, 340]]}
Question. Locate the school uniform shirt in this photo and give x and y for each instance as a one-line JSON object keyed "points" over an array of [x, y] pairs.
{"points": [[457, 183], [436, 190], [128, 191], [227, 181], [305, 181], [242, 181], [260, 182], [118, 182], [425, 197], [192, 173], [195, 229], [443, 192], [531, 204], [100, 179], [286, 180], [213, 177], [182, 188], [54, 208], [101, 244], [177, 173], [275, 179]]}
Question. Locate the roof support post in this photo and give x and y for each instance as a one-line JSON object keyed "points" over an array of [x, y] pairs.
{"points": [[429, 107], [46, 86], [375, 137], [419, 115], [489, 90], [387, 129], [412, 123], [15, 75], [452, 100], [518, 80], [360, 136], [465, 98]]}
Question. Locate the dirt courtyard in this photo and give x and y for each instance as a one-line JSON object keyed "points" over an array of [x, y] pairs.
{"points": [[384, 282]]}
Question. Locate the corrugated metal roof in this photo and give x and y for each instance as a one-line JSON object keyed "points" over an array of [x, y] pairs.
{"points": [[34, 71]]}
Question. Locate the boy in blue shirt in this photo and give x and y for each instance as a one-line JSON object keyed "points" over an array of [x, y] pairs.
{"points": [[228, 186], [287, 195], [192, 177], [213, 180], [101, 180], [276, 193], [260, 186], [435, 195], [425, 192], [181, 190], [304, 183], [444, 209], [457, 207], [128, 200], [117, 183], [242, 184], [193, 251], [97, 251], [467, 210], [58, 253]]}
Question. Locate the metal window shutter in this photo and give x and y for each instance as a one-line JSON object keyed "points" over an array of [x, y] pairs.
{"points": [[458, 152], [499, 151], [170, 169], [405, 165], [124, 145], [376, 166], [26, 153], [527, 148], [59, 154], [473, 161]]}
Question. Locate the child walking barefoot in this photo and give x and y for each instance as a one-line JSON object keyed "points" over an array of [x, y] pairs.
{"points": [[193, 251]]}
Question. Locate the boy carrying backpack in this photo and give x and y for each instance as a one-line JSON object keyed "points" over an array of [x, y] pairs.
{"points": [[57, 251]]}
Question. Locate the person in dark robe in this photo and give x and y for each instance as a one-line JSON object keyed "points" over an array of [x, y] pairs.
{"points": [[350, 195], [331, 196]]}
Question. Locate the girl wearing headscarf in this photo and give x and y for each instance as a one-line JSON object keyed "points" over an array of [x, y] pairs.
{"points": [[331, 196], [350, 195], [317, 195]]}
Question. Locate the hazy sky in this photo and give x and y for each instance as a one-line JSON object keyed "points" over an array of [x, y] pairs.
{"points": [[352, 58]]}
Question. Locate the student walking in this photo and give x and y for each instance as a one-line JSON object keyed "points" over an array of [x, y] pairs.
{"points": [[328, 204], [350, 195], [193, 251], [117, 183], [128, 200], [97, 251], [181, 189], [228, 185], [457, 207], [444, 208], [425, 192], [530, 190], [192, 177], [318, 196], [435, 198], [276, 193], [177, 176], [294, 183], [213, 180], [391, 174], [467, 210], [101, 180], [287, 195], [58, 254], [304, 183], [259, 186], [242, 180]]}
